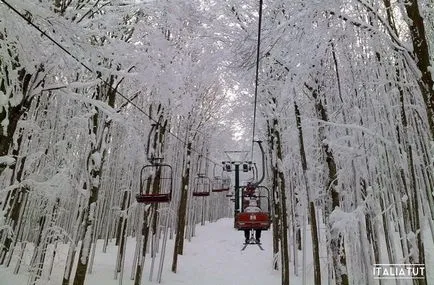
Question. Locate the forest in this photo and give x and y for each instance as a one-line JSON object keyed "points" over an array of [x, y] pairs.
{"points": [[341, 94]]}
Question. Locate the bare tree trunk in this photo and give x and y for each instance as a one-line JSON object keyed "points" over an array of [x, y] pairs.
{"points": [[45, 224], [279, 189], [15, 201], [421, 51], [13, 111], [276, 218], [121, 238], [99, 126], [182, 210], [417, 249], [336, 244], [145, 232], [312, 211], [73, 245]]}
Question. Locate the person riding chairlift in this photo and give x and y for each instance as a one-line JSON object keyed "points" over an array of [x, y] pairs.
{"points": [[252, 208]]}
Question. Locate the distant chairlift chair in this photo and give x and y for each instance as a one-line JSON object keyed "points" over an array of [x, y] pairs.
{"points": [[202, 186], [221, 184]]}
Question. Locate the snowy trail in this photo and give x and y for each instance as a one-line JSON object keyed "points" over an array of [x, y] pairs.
{"points": [[214, 257]]}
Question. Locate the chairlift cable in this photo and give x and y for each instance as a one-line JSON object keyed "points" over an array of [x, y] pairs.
{"points": [[99, 77], [257, 72]]}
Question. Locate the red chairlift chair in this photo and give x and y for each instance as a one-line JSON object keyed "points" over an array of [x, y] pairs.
{"points": [[155, 184], [255, 220]]}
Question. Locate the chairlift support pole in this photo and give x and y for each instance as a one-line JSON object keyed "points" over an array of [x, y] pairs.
{"points": [[237, 188], [237, 158]]}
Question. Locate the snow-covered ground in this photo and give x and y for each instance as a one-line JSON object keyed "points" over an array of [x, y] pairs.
{"points": [[213, 257]]}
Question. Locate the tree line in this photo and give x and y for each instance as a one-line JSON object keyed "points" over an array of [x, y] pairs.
{"points": [[345, 105]]}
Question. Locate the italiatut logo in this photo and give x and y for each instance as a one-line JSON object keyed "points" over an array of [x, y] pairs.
{"points": [[399, 271]]}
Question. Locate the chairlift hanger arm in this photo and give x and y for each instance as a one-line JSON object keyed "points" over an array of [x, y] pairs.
{"points": [[263, 163]]}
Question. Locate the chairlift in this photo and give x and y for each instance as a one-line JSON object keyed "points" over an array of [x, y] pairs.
{"points": [[155, 178], [220, 183], [155, 183], [202, 186], [254, 220]]}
